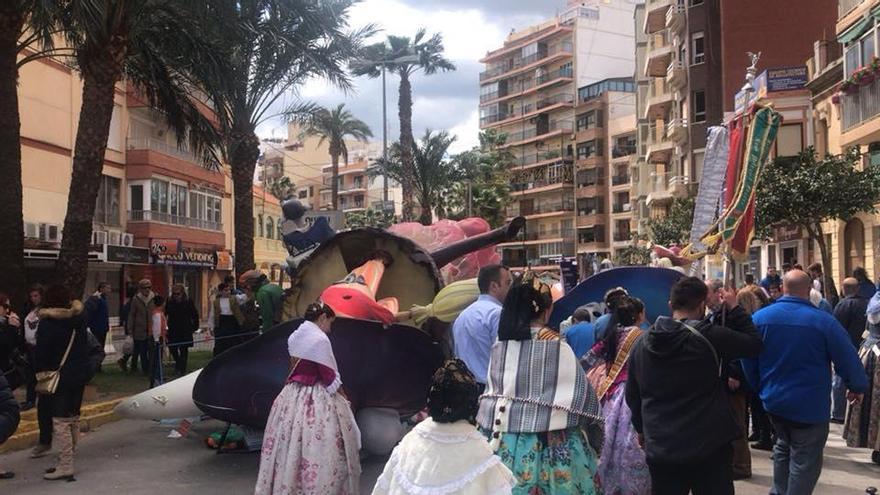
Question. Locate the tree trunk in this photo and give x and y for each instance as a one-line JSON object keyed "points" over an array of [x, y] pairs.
{"points": [[244, 150], [334, 187], [100, 76], [404, 112], [11, 221], [815, 234]]}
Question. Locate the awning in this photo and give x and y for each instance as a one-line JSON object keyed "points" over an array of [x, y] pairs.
{"points": [[857, 29]]}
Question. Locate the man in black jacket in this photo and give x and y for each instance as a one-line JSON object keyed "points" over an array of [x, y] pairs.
{"points": [[9, 416], [677, 392], [851, 312]]}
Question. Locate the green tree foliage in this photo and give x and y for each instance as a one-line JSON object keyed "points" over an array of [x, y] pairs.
{"points": [[485, 181], [675, 227], [434, 174], [334, 126], [632, 256], [807, 191], [379, 219], [281, 187]]}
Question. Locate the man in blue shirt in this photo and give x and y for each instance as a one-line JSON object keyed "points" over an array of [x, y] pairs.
{"points": [[476, 328], [772, 278], [793, 379], [581, 335]]}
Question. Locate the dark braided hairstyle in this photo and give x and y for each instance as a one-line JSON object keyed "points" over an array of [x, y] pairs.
{"points": [[316, 309], [454, 394], [626, 314], [525, 301]]}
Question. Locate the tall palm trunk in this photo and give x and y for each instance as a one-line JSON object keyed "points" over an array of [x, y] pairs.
{"points": [[244, 150], [100, 75], [334, 187], [404, 112], [11, 221]]}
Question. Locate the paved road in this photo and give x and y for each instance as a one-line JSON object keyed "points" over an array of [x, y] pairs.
{"points": [[135, 457]]}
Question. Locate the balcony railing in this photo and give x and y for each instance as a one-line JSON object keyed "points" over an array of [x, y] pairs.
{"points": [[861, 106], [561, 98], [622, 236], [162, 217], [621, 151], [537, 158], [164, 148], [556, 74], [621, 208], [541, 208], [535, 184], [549, 234], [490, 96], [564, 125], [619, 180], [516, 63]]}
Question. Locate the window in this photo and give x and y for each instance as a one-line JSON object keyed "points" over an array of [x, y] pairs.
{"points": [[136, 193], [589, 120], [789, 140], [270, 228], [866, 47], [698, 52], [107, 204], [159, 196], [589, 149], [852, 58], [699, 106], [280, 230], [565, 70], [302, 194], [177, 200], [259, 225], [205, 211]]}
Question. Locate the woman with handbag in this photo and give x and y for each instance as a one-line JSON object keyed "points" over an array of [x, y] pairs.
{"points": [[62, 364], [622, 467]]}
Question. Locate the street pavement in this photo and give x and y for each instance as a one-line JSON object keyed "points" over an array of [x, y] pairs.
{"points": [[136, 457]]}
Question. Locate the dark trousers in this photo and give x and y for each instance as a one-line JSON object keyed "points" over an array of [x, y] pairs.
{"points": [[31, 396], [711, 476], [180, 353], [742, 455], [760, 422], [156, 371], [101, 337], [44, 418], [141, 351]]}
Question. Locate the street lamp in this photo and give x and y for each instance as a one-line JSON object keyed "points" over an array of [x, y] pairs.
{"points": [[382, 63]]}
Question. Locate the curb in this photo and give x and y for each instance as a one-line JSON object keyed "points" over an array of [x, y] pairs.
{"points": [[92, 416]]}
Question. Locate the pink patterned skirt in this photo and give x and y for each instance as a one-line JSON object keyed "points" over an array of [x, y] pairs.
{"points": [[310, 445]]}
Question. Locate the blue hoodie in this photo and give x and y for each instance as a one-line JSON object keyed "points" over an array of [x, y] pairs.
{"points": [[793, 372]]}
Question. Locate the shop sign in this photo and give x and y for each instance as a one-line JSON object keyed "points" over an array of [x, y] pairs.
{"points": [[787, 233], [189, 258], [336, 219], [128, 255], [159, 247], [786, 78], [224, 261]]}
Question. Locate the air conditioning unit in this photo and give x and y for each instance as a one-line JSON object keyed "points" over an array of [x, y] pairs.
{"points": [[113, 237], [128, 240], [99, 237], [31, 230], [50, 232]]}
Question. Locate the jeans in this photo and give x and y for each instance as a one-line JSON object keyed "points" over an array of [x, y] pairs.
{"points": [[797, 456], [141, 351], [156, 371], [838, 398], [710, 476]]}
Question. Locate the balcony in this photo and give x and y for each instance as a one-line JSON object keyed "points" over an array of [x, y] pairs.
{"points": [[675, 16], [528, 86], [161, 217], [677, 130], [859, 108], [655, 15], [560, 99], [659, 101], [589, 218], [620, 180], [676, 74], [561, 75], [164, 148], [659, 56], [660, 194], [660, 147], [536, 134], [622, 236], [521, 64], [623, 151], [549, 235], [679, 185], [545, 209], [621, 208], [539, 159]]}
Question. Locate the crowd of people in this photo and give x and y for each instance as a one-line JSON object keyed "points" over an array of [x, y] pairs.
{"points": [[64, 337], [612, 404]]}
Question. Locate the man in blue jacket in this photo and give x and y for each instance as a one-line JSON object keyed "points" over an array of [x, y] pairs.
{"points": [[793, 378]]}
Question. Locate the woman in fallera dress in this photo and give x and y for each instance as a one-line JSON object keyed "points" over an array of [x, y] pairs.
{"points": [[311, 441]]}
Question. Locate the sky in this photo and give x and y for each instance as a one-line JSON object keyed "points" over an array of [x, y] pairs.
{"points": [[443, 101]]}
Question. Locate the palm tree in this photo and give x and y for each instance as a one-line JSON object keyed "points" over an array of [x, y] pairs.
{"points": [[334, 126], [268, 49], [26, 29], [281, 187], [405, 56], [143, 42], [484, 190], [434, 175]]}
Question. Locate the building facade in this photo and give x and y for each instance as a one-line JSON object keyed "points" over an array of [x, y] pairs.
{"points": [[528, 91], [269, 251], [160, 213]]}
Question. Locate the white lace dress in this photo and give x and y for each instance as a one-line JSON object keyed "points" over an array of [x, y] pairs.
{"points": [[444, 458]]}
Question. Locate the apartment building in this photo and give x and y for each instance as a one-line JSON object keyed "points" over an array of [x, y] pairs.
{"points": [[605, 136], [160, 213], [528, 91], [357, 190], [269, 252]]}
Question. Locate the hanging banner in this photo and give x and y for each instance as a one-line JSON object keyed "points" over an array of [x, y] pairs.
{"points": [[711, 183]]}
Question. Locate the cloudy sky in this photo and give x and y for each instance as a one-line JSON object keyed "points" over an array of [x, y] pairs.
{"points": [[444, 101]]}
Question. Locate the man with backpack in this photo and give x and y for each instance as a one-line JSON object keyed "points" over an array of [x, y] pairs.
{"points": [[677, 392]]}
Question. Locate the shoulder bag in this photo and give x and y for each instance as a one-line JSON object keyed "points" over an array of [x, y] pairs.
{"points": [[47, 381]]}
